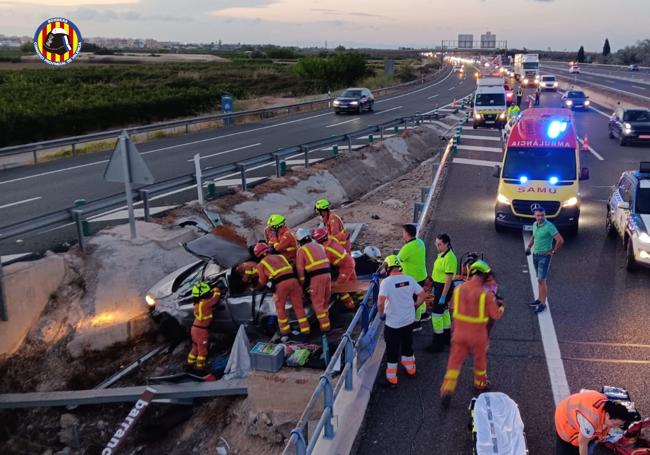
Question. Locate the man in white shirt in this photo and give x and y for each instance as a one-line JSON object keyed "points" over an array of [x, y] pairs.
{"points": [[397, 307]]}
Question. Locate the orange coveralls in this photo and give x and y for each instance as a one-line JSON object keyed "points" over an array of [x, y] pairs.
{"points": [[202, 319], [340, 259], [313, 266], [248, 271], [336, 229], [472, 309], [276, 269], [283, 242]]}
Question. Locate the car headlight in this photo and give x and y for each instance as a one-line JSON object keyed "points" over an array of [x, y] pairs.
{"points": [[570, 202], [644, 237], [502, 199], [336, 102], [502, 115], [587, 103], [354, 103], [150, 299], [568, 102], [627, 126], [525, 81], [478, 116], [555, 84]]}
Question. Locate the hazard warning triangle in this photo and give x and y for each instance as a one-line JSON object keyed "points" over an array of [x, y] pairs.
{"points": [[135, 171]]}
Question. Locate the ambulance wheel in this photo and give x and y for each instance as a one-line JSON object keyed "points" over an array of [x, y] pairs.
{"points": [[630, 262], [609, 226], [498, 227]]}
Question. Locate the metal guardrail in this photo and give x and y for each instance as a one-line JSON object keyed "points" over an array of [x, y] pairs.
{"points": [[327, 388], [143, 195], [74, 141]]}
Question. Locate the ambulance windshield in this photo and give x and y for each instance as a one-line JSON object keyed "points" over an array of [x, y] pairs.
{"points": [[540, 163], [490, 99]]}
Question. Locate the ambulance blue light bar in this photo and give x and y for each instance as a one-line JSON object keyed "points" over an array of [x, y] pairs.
{"points": [[555, 128], [553, 180], [523, 179]]}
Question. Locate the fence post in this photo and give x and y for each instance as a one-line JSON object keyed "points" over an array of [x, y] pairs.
{"points": [[3, 300], [328, 404], [77, 215], [144, 195], [349, 356], [242, 170]]}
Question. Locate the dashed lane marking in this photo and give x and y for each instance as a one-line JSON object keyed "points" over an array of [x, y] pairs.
{"points": [[480, 148], [482, 138], [342, 123], [25, 201], [556, 373], [484, 163], [593, 152], [433, 96], [227, 151], [388, 110]]}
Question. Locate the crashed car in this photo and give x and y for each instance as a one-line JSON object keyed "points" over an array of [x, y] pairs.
{"points": [[170, 299]]}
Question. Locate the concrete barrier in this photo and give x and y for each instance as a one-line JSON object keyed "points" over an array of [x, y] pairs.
{"points": [[28, 287]]}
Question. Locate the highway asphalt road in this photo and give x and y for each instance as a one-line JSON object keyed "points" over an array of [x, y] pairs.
{"points": [[620, 82], [26, 192], [598, 319]]}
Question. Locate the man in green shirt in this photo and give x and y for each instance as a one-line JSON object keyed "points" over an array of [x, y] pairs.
{"points": [[413, 260], [543, 249]]}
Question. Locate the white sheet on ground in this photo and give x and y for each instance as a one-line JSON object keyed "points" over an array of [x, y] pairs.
{"points": [[498, 425], [239, 361]]}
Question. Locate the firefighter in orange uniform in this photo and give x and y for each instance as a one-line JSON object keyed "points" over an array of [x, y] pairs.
{"points": [[340, 261], [314, 273], [280, 237], [333, 223], [275, 268], [473, 307], [205, 299], [248, 272]]}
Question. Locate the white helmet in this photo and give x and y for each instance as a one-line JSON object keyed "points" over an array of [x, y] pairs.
{"points": [[302, 234], [372, 252]]}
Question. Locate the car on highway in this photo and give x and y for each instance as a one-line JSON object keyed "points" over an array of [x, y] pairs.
{"points": [[510, 93], [575, 99], [633, 67], [628, 215], [548, 82], [574, 69], [540, 167], [489, 103], [630, 125], [354, 100]]}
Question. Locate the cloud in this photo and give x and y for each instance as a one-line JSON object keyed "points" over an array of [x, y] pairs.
{"points": [[335, 12], [106, 15]]}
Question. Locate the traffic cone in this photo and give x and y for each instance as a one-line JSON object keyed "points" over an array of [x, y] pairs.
{"points": [[585, 144], [453, 103]]}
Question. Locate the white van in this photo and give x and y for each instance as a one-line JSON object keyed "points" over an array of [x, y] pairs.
{"points": [[548, 82], [490, 103]]}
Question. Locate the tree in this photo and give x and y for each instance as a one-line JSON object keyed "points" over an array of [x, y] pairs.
{"points": [[332, 70], [581, 55], [606, 49]]}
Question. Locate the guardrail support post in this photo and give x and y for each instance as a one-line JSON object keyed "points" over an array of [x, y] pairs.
{"points": [[74, 150], [328, 404], [349, 356], [144, 195], [212, 189], [335, 149], [424, 193], [35, 155], [3, 300], [381, 133], [349, 139], [187, 128], [199, 178], [305, 151], [84, 224], [417, 211], [78, 219], [242, 170]]}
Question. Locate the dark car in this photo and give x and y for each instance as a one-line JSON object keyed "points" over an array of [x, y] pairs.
{"points": [[354, 100], [575, 99], [628, 125]]}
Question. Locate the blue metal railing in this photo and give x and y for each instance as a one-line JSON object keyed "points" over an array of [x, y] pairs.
{"points": [[327, 389]]}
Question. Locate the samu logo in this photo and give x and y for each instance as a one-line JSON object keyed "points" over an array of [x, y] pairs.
{"points": [[521, 189], [57, 41]]}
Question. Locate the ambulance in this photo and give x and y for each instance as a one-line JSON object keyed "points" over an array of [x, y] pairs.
{"points": [[540, 167], [490, 103]]}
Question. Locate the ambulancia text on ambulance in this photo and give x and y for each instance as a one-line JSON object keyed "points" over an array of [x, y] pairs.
{"points": [[541, 167]]}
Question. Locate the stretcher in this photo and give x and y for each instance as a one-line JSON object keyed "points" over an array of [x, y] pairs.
{"points": [[496, 425]]}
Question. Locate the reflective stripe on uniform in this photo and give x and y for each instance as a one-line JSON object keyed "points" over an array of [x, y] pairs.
{"points": [[312, 262], [250, 271], [337, 254], [272, 272], [480, 319]]}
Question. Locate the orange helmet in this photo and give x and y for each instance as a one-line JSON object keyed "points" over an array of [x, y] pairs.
{"points": [[261, 249], [319, 234]]}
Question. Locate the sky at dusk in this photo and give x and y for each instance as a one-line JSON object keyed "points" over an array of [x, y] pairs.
{"points": [[535, 24]]}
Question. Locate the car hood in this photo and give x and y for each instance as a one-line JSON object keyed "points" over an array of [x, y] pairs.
{"points": [[347, 98], [222, 252], [646, 222], [644, 125]]}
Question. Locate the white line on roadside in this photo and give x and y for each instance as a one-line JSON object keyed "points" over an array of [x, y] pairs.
{"points": [[416, 91], [480, 148], [476, 162], [453, 88], [556, 373], [342, 123], [20, 202], [237, 182], [138, 213], [639, 87], [42, 174], [388, 110], [604, 114], [12, 257], [433, 96], [227, 151], [593, 152], [483, 138]]}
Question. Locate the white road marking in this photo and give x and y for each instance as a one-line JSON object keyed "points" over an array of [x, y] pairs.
{"points": [[639, 87], [138, 213], [388, 110], [476, 162], [42, 174], [227, 151], [483, 138], [302, 161], [20, 202], [416, 91], [12, 257], [480, 148], [452, 88], [595, 153], [433, 96], [342, 123], [604, 114], [556, 373]]}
